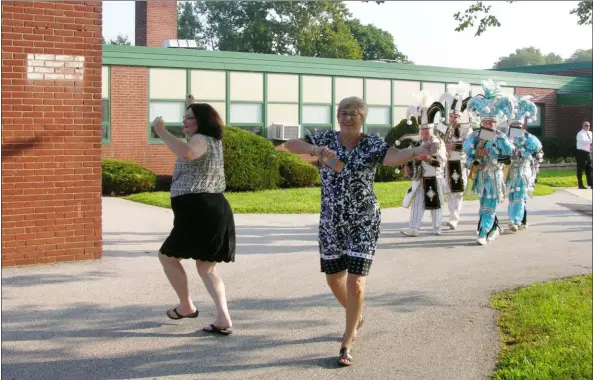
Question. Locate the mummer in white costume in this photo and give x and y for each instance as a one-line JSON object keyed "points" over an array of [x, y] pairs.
{"points": [[454, 135], [427, 171]]}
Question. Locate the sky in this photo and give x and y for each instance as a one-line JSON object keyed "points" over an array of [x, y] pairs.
{"points": [[424, 30]]}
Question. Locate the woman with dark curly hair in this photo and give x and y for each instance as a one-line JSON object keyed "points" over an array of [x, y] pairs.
{"points": [[203, 225]]}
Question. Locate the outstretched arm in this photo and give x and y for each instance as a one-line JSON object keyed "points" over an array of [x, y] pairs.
{"points": [[396, 157]]}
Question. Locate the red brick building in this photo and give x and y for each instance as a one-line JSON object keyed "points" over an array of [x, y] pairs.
{"points": [[51, 136]]}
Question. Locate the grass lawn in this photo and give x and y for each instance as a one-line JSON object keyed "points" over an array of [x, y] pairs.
{"points": [[558, 177], [298, 201], [546, 331]]}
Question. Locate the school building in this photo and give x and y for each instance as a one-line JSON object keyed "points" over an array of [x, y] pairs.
{"points": [[68, 101]]}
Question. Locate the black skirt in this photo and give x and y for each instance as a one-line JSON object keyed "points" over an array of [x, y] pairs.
{"points": [[203, 229]]}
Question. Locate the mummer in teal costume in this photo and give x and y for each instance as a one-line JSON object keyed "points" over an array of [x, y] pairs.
{"points": [[520, 178], [487, 149]]}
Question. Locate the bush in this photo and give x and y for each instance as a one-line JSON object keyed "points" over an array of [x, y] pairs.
{"points": [[296, 172], [389, 173], [558, 147], [250, 161], [126, 177]]}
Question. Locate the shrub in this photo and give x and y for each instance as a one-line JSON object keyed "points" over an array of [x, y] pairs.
{"points": [[296, 172], [389, 173], [250, 161], [125, 177], [558, 147]]}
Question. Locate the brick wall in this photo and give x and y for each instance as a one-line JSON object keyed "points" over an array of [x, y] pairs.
{"points": [[570, 119], [547, 97], [129, 122], [156, 21], [51, 131]]}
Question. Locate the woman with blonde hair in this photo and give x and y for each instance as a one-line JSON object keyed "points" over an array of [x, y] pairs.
{"points": [[350, 214]]}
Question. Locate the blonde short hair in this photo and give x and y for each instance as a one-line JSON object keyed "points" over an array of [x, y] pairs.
{"points": [[355, 102]]}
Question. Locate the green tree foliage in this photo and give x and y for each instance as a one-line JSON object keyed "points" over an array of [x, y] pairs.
{"points": [[478, 12], [119, 40], [528, 56], [306, 28], [531, 56], [581, 55]]}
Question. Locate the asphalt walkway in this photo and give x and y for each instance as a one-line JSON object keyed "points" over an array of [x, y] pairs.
{"points": [[426, 313]]}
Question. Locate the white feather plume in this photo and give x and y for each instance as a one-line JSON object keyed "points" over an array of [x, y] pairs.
{"points": [[424, 98], [461, 89]]}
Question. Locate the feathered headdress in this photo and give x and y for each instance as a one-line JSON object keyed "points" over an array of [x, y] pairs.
{"points": [[493, 105], [524, 108], [455, 97], [425, 109]]}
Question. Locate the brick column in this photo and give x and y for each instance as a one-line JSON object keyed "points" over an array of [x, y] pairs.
{"points": [[51, 131], [156, 21]]}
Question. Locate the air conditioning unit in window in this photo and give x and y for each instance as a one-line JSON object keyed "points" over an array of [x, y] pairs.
{"points": [[283, 131]]}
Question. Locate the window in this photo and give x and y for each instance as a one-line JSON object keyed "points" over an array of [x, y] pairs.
{"points": [[105, 124], [317, 115], [313, 130], [536, 127], [248, 116], [378, 116], [172, 113], [105, 106], [378, 131]]}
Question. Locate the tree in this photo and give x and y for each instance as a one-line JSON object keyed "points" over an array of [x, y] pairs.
{"points": [[581, 55], [375, 43], [119, 40], [529, 56], [306, 28], [478, 11]]}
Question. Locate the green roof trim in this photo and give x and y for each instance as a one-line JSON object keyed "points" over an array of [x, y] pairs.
{"points": [[122, 55], [575, 98], [551, 68]]}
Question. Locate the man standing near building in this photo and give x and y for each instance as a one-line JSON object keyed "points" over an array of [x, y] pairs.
{"points": [[584, 142], [456, 171], [426, 172]]}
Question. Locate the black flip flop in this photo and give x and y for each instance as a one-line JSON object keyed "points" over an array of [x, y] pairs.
{"points": [[179, 316], [345, 355], [215, 330]]}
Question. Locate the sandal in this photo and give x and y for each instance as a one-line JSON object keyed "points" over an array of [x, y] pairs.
{"points": [[215, 330], [179, 316], [345, 357]]}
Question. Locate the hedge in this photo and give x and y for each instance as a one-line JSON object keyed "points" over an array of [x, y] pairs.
{"points": [[558, 147], [295, 172], [125, 177], [250, 161]]}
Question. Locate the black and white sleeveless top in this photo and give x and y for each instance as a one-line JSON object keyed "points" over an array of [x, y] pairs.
{"points": [[202, 175]]}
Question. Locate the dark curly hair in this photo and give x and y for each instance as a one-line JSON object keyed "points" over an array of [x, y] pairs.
{"points": [[208, 120]]}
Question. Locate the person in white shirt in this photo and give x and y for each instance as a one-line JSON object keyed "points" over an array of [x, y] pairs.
{"points": [[584, 143]]}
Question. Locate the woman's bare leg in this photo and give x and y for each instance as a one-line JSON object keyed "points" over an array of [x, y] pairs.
{"points": [[178, 279], [216, 288]]}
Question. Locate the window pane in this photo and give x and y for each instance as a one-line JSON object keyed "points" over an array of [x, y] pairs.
{"points": [[105, 132], [246, 113], [313, 130], [399, 113], [538, 122], [537, 131], [171, 112], [378, 115], [256, 130], [105, 111], [175, 130], [378, 131], [316, 114]]}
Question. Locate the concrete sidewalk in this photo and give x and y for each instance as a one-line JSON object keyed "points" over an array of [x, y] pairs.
{"points": [[426, 312]]}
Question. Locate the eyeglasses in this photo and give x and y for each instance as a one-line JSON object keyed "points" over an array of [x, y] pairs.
{"points": [[185, 117], [348, 114]]}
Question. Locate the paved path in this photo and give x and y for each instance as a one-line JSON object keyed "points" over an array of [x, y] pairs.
{"points": [[427, 314]]}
